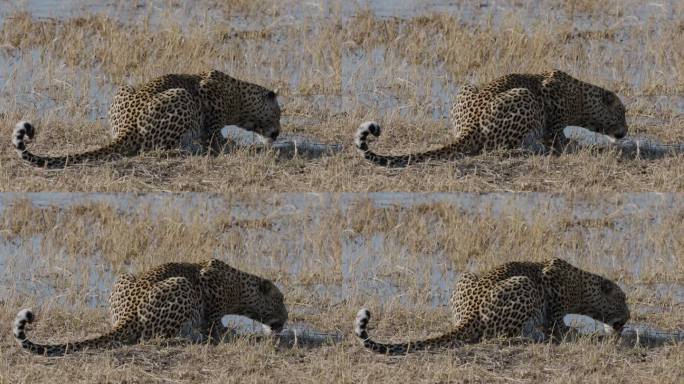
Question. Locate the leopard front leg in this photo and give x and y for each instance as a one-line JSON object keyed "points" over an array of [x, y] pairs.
{"points": [[554, 325], [212, 324], [208, 139], [555, 140], [554, 275], [212, 138]]}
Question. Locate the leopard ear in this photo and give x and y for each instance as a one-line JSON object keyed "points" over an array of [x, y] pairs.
{"points": [[210, 77], [271, 95], [555, 268], [213, 74], [556, 79], [608, 97], [265, 286], [557, 75], [606, 286], [557, 263]]}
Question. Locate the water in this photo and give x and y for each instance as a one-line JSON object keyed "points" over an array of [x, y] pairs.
{"points": [[55, 8], [125, 12], [627, 13], [632, 13]]}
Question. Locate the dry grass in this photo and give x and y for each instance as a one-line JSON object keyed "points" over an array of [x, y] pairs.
{"points": [[347, 255], [336, 66]]}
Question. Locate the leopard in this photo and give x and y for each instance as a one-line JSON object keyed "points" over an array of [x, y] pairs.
{"points": [[178, 299], [517, 299], [174, 111], [516, 111]]}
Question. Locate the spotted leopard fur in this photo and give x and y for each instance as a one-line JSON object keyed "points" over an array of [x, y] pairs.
{"points": [[526, 299], [170, 112], [517, 110], [174, 299]]}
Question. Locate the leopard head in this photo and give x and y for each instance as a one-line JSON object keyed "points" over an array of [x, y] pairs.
{"points": [[260, 112], [241, 293], [262, 301], [604, 301], [247, 105], [603, 112], [586, 293]]}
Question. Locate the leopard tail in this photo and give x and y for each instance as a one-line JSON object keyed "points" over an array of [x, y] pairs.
{"points": [[459, 335], [121, 145], [458, 148], [119, 335]]}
